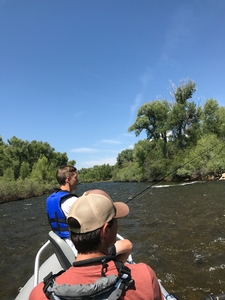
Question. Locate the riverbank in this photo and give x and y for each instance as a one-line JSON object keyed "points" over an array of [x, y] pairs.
{"points": [[23, 189], [28, 188]]}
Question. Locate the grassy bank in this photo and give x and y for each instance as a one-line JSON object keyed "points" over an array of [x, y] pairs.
{"points": [[14, 190]]}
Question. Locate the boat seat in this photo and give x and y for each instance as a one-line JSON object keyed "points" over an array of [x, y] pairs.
{"points": [[62, 250]]}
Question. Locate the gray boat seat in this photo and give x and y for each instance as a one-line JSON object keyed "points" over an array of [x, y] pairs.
{"points": [[62, 250]]}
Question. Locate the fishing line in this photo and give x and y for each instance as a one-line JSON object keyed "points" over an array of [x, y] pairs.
{"points": [[180, 166]]}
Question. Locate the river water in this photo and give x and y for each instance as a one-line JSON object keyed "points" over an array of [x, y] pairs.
{"points": [[178, 229]]}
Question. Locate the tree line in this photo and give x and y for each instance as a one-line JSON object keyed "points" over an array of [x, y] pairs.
{"points": [[28, 168], [184, 141]]}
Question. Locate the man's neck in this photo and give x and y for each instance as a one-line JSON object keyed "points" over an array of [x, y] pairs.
{"points": [[90, 255], [65, 188]]}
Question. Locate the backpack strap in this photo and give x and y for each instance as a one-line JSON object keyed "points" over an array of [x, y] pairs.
{"points": [[48, 283], [125, 280], [91, 261]]}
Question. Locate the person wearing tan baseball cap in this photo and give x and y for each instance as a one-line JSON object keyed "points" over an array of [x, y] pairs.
{"points": [[92, 221], [94, 209]]}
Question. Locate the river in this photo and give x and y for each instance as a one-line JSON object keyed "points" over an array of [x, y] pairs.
{"points": [[178, 229]]}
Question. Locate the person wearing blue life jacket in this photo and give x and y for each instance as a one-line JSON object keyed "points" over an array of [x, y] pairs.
{"points": [[58, 203]]}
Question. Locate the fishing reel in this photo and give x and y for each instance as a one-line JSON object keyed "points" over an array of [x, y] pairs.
{"points": [[214, 297]]}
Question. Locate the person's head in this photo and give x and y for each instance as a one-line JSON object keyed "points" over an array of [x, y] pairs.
{"points": [[67, 176], [92, 221]]}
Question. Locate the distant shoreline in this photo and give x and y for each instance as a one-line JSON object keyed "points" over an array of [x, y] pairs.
{"points": [[10, 197]]}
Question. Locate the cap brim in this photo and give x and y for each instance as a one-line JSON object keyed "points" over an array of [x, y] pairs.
{"points": [[121, 209]]}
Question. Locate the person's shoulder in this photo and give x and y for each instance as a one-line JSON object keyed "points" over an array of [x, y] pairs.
{"points": [[71, 199], [143, 268], [74, 196], [37, 293], [54, 192], [138, 265], [66, 204]]}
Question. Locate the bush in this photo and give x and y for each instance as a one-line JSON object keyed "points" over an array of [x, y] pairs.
{"points": [[22, 189]]}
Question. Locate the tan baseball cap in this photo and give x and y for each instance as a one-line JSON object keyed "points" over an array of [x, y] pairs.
{"points": [[95, 208]]}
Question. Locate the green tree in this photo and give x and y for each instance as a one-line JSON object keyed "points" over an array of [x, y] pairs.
{"points": [[3, 162], [184, 117], [15, 153], [131, 172], [58, 159], [18, 152], [71, 162], [152, 117], [36, 149], [213, 118], [141, 151], [40, 170], [221, 113], [96, 173], [9, 174], [205, 160], [124, 157], [210, 117], [24, 170], [105, 172]]}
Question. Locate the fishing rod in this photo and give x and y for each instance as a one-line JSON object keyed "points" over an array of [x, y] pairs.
{"points": [[161, 180]]}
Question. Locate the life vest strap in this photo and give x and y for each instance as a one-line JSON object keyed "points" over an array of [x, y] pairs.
{"points": [[113, 285]]}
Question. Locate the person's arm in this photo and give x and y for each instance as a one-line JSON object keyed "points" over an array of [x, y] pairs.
{"points": [[123, 249]]}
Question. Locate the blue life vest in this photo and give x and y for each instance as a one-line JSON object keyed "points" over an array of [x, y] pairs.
{"points": [[56, 217]]}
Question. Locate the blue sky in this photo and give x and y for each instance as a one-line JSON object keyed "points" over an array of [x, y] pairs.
{"points": [[73, 73]]}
